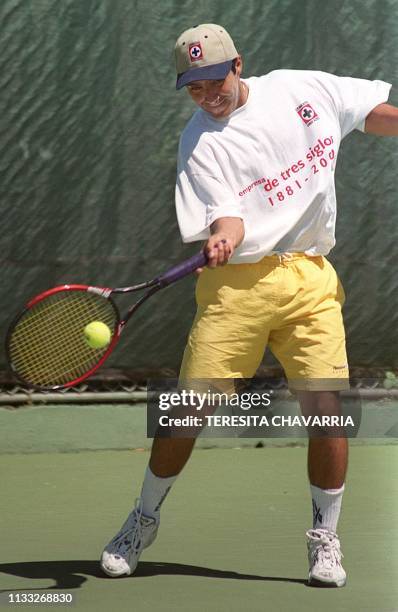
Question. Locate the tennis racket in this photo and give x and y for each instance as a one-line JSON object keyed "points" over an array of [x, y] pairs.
{"points": [[46, 346]]}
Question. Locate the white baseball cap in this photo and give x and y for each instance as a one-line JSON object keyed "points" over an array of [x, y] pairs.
{"points": [[203, 52]]}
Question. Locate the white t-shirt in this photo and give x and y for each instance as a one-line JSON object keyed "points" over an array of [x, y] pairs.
{"points": [[272, 161]]}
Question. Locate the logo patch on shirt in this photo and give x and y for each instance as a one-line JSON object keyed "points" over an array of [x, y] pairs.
{"points": [[195, 52], [307, 113]]}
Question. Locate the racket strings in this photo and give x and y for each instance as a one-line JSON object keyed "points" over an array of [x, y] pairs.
{"points": [[48, 347]]}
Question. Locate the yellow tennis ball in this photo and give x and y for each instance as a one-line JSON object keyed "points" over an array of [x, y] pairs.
{"points": [[98, 335]]}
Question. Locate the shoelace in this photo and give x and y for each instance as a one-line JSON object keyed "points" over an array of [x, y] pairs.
{"points": [[123, 541], [327, 552]]}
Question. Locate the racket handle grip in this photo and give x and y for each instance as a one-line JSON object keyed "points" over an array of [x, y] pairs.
{"points": [[183, 269]]}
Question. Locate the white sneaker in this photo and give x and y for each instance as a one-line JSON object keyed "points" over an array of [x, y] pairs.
{"points": [[120, 556], [324, 557]]}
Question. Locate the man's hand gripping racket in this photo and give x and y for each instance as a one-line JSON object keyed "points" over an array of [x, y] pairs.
{"points": [[46, 344]]}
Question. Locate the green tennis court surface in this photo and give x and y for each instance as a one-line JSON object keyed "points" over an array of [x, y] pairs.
{"points": [[232, 536]]}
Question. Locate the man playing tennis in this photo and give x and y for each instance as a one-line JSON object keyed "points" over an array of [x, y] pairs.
{"points": [[256, 181]]}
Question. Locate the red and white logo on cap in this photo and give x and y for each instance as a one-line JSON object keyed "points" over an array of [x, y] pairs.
{"points": [[307, 113], [195, 52]]}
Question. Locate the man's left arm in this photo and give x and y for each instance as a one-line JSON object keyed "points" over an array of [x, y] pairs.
{"points": [[382, 121]]}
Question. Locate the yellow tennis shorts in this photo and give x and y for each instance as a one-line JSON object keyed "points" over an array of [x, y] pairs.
{"points": [[292, 303]]}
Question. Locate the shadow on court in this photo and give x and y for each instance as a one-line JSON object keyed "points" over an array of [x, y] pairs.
{"points": [[73, 574]]}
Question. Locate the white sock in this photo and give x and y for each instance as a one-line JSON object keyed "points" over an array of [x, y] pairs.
{"points": [[154, 491], [326, 505]]}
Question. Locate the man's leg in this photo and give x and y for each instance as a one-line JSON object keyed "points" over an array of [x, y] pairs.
{"points": [[328, 454], [327, 459], [327, 462], [327, 468], [225, 343], [310, 345], [169, 455]]}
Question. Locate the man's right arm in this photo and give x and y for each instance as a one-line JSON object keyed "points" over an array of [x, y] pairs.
{"points": [[226, 234]]}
